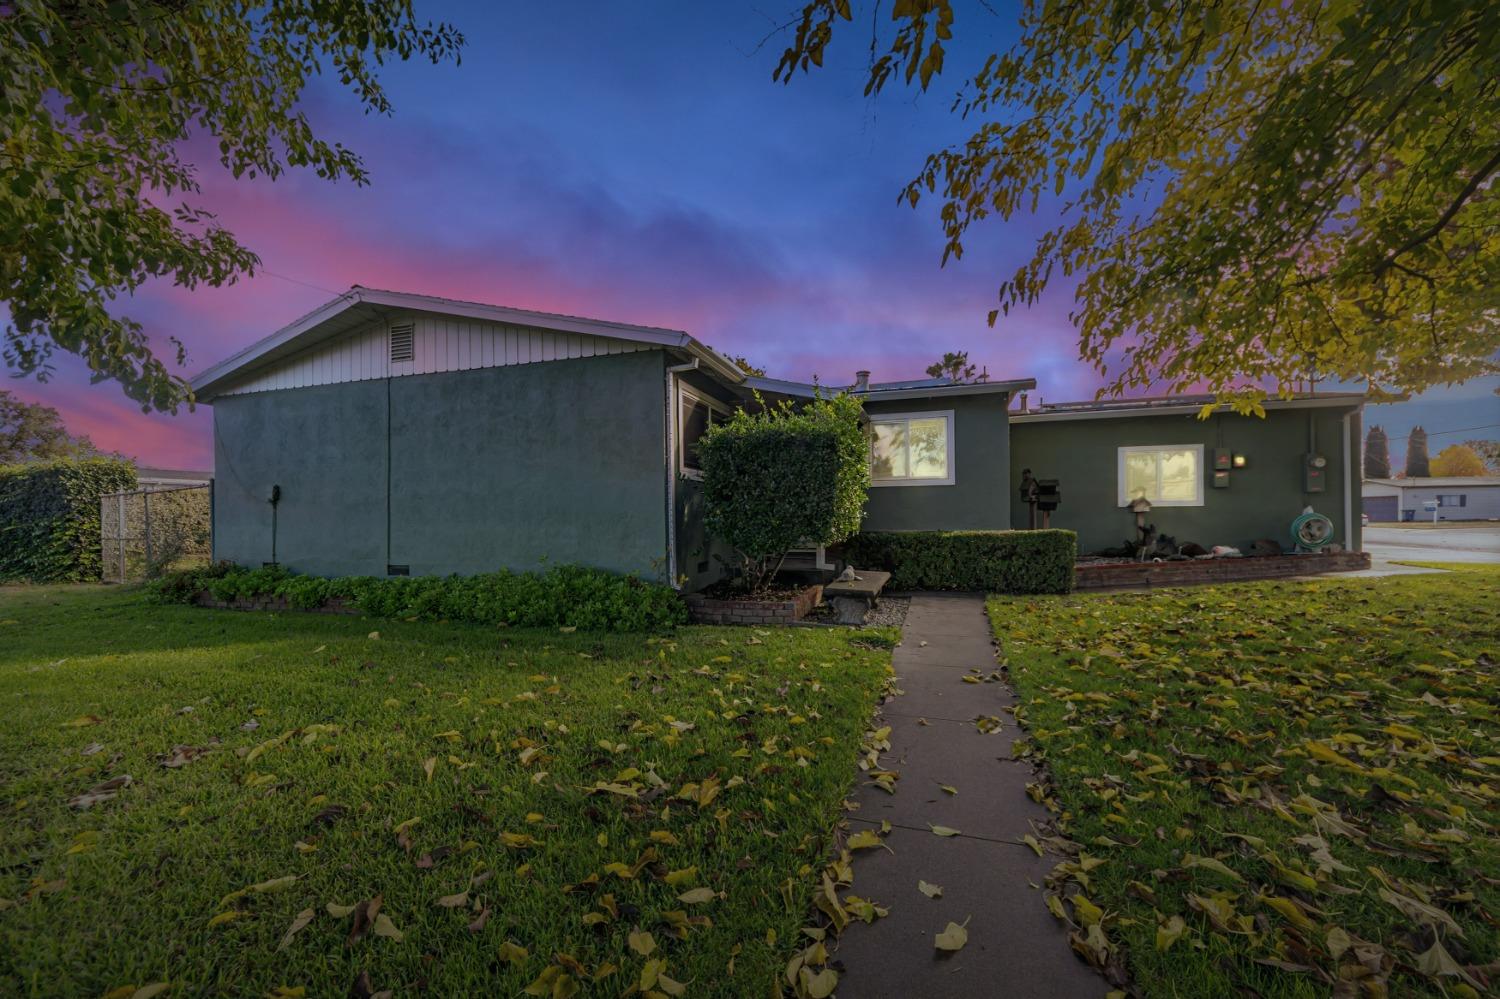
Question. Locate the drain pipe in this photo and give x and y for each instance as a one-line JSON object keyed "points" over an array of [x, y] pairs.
{"points": [[671, 465], [1349, 490]]}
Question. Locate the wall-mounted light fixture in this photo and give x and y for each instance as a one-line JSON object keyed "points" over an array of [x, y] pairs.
{"points": [[1239, 461]]}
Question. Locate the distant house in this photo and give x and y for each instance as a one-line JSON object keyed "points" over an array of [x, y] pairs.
{"points": [[406, 434], [1458, 497], [155, 479]]}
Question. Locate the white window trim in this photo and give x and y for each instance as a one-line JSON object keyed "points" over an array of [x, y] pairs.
{"points": [[945, 414], [1197, 449], [714, 405]]}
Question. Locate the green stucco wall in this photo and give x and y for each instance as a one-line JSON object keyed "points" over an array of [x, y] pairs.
{"points": [[472, 471], [1261, 501], [979, 498]]}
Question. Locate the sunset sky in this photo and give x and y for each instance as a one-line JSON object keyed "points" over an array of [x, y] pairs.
{"points": [[636, 162]]}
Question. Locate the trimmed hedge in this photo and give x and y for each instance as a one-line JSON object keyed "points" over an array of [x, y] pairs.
{"points": [[49, 517], [993, 561], [782, 477], [563, 596]]}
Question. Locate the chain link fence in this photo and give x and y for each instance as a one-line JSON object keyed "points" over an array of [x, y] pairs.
{"points": [[147, 532]]}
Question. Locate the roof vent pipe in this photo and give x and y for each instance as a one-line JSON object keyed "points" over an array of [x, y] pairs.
{"points": [[1022, 407], [861, 381]]}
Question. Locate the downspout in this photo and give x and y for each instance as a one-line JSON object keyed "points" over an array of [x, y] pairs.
{"points": [[1348, 490], [670, 437]]}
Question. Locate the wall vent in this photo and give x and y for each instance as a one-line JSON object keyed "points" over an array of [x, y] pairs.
{"points": [[398, 570], [403, 345]]}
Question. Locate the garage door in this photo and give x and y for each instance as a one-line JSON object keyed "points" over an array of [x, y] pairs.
{"points": [[1381, 509]]}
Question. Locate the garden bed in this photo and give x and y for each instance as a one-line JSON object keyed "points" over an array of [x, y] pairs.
{"points": [[780, 607], [1101, 575]]}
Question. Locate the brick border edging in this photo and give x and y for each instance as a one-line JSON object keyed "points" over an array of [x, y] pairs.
{"points": [[707, 610], [1218, 570], [269, 602]]}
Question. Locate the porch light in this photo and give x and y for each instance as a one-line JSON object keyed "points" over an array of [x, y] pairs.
{"points": [[1239, 461]]}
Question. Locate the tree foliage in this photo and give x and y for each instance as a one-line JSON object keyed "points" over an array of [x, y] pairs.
{"points": [[98, 104], [782, 477], [954, 367], [30, 431], [1377, 454], [1417, 465], [1457, 459], [1489, 453], [49, 517], [744, 365], [1253, 194]]}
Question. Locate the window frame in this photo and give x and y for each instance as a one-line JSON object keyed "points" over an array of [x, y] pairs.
{"points": [[716, 411], [908, 480], [1462, 500], [1122, 462]]}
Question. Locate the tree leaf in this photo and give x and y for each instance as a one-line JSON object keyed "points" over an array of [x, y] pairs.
{"points": [[952, 938], [302, 919]]}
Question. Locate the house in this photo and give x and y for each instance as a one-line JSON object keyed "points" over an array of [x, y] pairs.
{"points": [[1227, 480], [388, 433], [1455, 497], [158, 479]]}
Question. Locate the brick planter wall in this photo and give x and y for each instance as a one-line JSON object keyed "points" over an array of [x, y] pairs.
{"points": [[269, 603], [1217, 570], [706, 610]]}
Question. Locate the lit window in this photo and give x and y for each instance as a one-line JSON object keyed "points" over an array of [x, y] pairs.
{"points": [[697, 415], [1164, 476], [911, 449]]}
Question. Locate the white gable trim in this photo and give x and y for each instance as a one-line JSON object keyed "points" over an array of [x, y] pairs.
{"points": [[359, 309]]}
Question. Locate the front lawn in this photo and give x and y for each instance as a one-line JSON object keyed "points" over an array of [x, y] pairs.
{"points": [[348, 805], [1277, 789]]}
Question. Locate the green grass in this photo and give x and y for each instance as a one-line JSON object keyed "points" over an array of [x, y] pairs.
{"points": [[1319, 741], [517, 727], [1483, 568]]}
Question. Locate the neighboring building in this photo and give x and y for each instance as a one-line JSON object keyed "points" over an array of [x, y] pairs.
{"points": [[403, 433], [155, 479], [1103, 454], [1459, 497]]}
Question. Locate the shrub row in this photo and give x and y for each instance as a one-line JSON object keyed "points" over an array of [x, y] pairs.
{"points": [[49, 517], [993, 561], [563, 596]]}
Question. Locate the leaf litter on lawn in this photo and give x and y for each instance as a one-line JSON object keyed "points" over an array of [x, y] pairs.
{"points": [[1298, 777]]}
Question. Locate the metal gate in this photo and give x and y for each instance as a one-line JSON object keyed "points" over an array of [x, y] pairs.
{"points": [[146, 532]]}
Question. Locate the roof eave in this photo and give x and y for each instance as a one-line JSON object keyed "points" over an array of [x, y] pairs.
{"points": [[945, 391], [1352, 401]]}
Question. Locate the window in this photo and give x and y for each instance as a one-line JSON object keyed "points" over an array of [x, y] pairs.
{"points": [[1165, 475], [911, 449], [1457, 499], [695, 416]]}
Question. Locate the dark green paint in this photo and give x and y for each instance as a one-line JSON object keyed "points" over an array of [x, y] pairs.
{"points": [[514, 467], [1261, 501], [979, 499]]}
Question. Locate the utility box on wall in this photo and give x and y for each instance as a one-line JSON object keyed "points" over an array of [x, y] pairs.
{"points": [[1314, 473], [1221, 468]]}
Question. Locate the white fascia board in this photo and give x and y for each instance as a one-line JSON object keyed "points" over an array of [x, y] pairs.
{"points": [[309, 330], [1116, 414]]}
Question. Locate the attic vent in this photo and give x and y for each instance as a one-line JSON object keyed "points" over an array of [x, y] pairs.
{"points": [[402, 346]]}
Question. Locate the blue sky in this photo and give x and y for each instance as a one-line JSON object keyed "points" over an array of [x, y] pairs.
{"points": [[636, 162]]}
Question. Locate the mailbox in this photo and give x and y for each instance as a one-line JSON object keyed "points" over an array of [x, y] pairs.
{"points": [[1047, 495]]}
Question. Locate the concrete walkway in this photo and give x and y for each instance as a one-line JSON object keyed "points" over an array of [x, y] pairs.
{"points": [[1016, 948]]}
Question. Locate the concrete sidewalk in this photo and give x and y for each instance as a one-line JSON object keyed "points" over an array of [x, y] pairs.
{"points": [[989, 878]]}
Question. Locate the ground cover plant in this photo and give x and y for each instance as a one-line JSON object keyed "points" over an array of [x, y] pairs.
{"points": [[349, 805], [1277, 789], [571, 596]]}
